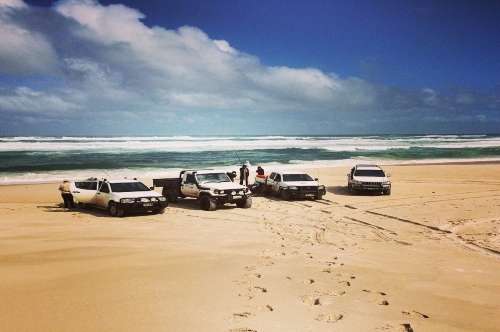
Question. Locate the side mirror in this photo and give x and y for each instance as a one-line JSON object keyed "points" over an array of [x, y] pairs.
{"points": [[315, 179], [152, 188]]}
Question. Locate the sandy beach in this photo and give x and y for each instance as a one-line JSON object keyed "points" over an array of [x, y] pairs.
{"points": [[425, 258]]}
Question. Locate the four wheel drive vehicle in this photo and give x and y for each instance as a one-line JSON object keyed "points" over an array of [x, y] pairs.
{"points": [[368, 178], [292, 184], [210, 187], [118, 196]]}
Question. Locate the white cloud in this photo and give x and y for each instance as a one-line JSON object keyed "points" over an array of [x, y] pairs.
{"points": [[23, 51], [12, 3], [81, 55]]}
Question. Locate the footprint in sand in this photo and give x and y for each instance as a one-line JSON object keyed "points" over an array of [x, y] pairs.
{"points": [[240, 282], [250, 268], [246, 297], [257, 289], [238, 317], [319, 301], [414, 314], [242, 329], [266, 308], [405, 328], [330, 318], [308, 281], [381, 301]]}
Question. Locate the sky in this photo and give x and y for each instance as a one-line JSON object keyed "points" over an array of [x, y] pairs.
{"points": [[260, 67]]}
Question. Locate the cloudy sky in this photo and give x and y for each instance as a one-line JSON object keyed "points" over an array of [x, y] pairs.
{"points": [[270, 67]]}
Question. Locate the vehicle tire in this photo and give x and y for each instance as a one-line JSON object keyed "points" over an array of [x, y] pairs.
{"points": [[245, 204], [208, 203], [114, 211], [168, 195], [318, 196], [387, 192], [159, 211], [353, 191], [285, 195], [85, 206]]}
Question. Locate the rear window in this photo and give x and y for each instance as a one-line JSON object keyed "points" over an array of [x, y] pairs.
{"points": [[128, 187]]}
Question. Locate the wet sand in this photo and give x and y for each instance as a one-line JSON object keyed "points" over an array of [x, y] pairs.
{"points": [[426, 258]]}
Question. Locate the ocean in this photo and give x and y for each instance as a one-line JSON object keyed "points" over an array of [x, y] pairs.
{"points": [[50, 159]]}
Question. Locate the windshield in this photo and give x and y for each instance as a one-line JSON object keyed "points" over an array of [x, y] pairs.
{"points": [[128, 187], [296, 177], [369, 172], [212, 177]]}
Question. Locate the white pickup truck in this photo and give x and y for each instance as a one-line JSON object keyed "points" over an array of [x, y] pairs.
{"points": [[118, 196], [210, 187], [292, 184]]}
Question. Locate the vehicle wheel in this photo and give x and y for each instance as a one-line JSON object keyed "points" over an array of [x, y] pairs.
{"points": [[387, 192], [114, 211], [285, 195], [168, 195], [85, 206], [245, 204], [319, 196], [353, 191], [208, 203], [159, 211]]}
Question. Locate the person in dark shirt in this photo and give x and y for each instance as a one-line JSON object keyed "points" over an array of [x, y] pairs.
{"points": [[244, 173], [231, 175]]}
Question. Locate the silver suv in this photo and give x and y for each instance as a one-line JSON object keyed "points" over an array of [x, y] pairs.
{"points": [[368, 178]]}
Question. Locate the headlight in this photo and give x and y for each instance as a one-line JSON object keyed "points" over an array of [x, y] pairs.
{"points": [[127, 200], [161, 198], [356, 182], [217, 191], [321, 187], [144, 199], [153, 199], [386, 182], [292, 188]]}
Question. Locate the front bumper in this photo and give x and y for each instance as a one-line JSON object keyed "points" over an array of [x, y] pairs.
{"points": [[231, 198], [142, 206], [306, 192], [370, 187]]}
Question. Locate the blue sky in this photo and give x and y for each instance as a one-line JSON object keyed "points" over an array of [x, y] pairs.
{"points": [[155, 67]]}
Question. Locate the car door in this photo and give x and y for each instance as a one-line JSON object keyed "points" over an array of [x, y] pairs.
{"points": [[188, 186], [103, 194], [277, 183], [84, 191]]}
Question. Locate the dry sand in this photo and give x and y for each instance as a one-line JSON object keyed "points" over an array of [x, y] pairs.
{"points": [[425, 258]]}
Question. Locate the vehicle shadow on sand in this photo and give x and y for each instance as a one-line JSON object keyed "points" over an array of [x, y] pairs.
{"points": [[344, 191], [96, 212]]}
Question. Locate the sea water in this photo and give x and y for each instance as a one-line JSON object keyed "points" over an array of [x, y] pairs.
{"points": [[50, 159]]}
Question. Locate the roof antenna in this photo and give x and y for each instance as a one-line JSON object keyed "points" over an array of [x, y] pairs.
{"points": [[105, 172]]}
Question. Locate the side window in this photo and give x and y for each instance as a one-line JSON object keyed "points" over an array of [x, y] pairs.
{"points": [[189, 178], [278, 178], [104, 187], [87, 185], [272, 175]]}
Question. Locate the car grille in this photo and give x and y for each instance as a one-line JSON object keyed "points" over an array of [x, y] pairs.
{"points": [[372, 183], [308, 188]]}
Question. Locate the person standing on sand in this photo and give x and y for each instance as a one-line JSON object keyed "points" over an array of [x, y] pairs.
{"points": [[244, 173], [64, 188]]}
